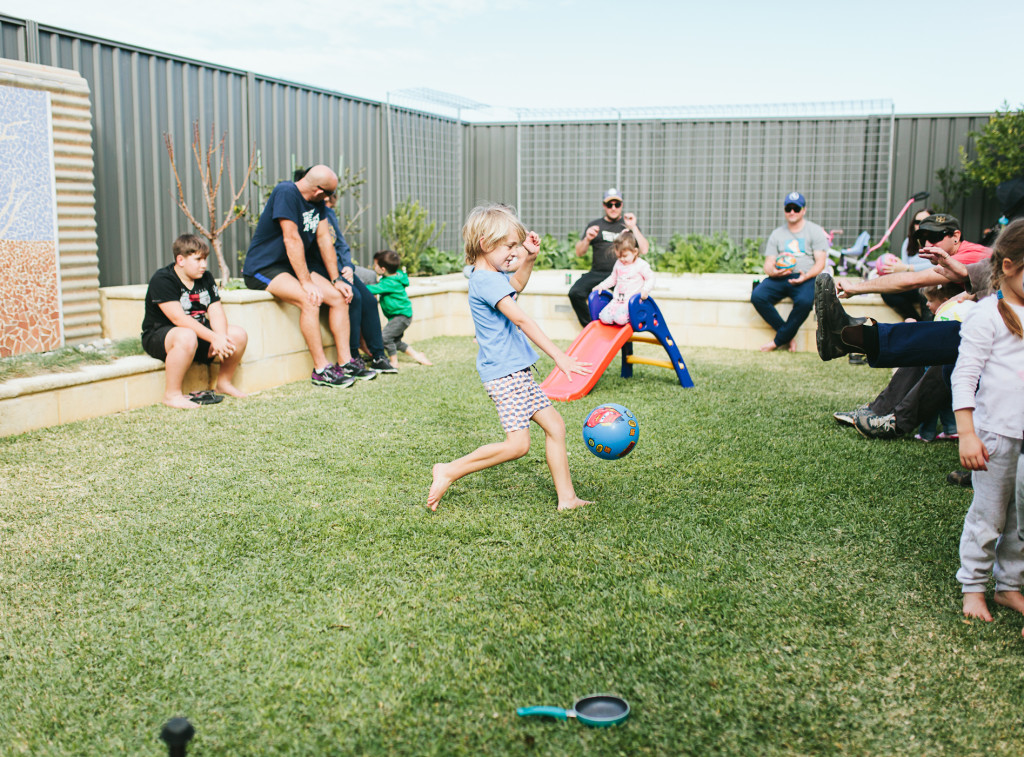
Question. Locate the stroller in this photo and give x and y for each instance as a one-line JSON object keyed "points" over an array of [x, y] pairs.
{"points": [[853, 261]]}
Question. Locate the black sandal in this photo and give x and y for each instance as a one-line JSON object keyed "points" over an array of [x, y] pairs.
{"points": [[206, 397]]}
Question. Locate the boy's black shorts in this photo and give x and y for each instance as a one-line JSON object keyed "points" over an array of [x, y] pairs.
{"points": [[153, 344]]}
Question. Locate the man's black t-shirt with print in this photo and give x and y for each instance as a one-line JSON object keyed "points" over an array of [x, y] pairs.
{"points": [[601, 245]]}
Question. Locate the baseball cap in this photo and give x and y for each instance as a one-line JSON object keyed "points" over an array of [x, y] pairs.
{"points": [[942, 222], [612, 194], [794, 198]]}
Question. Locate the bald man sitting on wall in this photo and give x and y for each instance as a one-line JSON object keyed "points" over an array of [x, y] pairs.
{"points": [[294, 222]]}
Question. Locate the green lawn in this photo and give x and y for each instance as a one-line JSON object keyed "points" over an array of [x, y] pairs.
{"points": [[754, 579]]}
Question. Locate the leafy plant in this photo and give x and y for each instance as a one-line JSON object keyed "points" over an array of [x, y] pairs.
{"points": [[437, 262], [1000, 147], [953, 185], [406, 231], [699, 253], [1000, 157], [560, 254]]}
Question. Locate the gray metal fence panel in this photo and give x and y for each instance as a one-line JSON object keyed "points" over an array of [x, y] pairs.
{"points": [[706, 176], [12, 38], [923, 145], [426, 155], [722, 174], [490, 165], [139, 94]]}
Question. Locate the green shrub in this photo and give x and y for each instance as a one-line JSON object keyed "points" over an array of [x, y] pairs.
{"points": [[561, 254], [406, 231], [699, 253], [435, 262]]}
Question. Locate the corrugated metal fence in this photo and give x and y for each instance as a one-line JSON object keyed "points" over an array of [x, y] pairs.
{"points": [[679, 175]]}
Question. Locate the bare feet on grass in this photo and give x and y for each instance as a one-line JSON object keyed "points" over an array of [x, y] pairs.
{"points": [[573, 503], [770, 346], [1012, 599], [792, 346], [975, 607], [418, 356], [180, 402], [226, 387], [438, 486]]}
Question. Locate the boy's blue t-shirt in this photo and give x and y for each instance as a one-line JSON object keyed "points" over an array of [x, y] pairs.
{"points": [[267, 246], [504, 349]]}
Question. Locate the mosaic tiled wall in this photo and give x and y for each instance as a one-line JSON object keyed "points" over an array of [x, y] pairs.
{"points": [[30, 319]]}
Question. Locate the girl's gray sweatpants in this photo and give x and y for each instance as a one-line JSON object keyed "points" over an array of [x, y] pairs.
{"points": [[990, 542]]}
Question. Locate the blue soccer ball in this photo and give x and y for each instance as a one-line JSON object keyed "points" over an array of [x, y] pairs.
{"points": [[611, 431]]}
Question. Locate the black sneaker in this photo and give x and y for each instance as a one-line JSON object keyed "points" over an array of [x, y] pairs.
{"points": [[876, 426], [331, 376], [356, 369], [849, 418], [832, 319], [382, 365]]}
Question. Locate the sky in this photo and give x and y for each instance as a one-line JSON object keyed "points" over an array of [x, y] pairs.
{"points": [[934, 57]]}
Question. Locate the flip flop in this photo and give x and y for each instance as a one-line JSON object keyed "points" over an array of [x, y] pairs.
{"points": [[206, 397]]}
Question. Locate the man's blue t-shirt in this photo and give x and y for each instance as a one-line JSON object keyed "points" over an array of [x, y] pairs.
{"points": [[267, 246], [504, 349]]}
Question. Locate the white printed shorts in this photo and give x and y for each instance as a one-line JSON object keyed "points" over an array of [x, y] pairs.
{"points": [[517, 397]]}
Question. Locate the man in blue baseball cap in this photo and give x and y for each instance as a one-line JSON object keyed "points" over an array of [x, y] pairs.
{"points": [[795, 253]]}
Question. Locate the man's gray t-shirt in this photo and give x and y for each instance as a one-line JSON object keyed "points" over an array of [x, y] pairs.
{"points": [[802, 244]]}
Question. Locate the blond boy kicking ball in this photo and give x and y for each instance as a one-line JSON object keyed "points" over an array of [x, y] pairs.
{"points": [[185, 322], [502, 253]]}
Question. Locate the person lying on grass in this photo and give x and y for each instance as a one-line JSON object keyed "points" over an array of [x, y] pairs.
{"points": [[502, 253], [185, 322]]}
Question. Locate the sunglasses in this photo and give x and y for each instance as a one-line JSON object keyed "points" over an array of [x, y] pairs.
{"points": [[930, 237], [793, 208], [327, 192], [613, 204]]}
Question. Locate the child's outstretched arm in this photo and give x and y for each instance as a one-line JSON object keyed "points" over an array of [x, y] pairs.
{"points": [[566, 363], [522, 274]]}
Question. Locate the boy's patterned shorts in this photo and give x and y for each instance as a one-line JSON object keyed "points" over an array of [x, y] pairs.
{"points": [[517, 397]]}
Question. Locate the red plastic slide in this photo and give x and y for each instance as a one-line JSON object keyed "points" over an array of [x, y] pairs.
{"points": [[597, 344]]}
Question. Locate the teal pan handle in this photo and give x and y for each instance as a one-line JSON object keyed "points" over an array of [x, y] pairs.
{"points": [[551, 712]]}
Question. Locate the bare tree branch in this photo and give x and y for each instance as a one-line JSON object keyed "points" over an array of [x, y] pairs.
{"points": [[205, 158]]}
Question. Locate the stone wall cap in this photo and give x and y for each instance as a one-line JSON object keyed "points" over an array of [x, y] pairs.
{"points": [[125, 366]]}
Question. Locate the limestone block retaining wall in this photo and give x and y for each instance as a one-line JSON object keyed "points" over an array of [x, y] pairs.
{"points": [[707, 310]]}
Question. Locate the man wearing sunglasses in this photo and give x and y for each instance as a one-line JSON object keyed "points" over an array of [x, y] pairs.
{"points": [[599, 236], [938, 239], [808, 244]]}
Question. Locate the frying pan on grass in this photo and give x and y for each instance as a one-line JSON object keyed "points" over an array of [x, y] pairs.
{"points": [[597, 710]]}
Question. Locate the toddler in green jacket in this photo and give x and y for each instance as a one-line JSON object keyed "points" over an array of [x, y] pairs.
{"points": [[395, 305]]}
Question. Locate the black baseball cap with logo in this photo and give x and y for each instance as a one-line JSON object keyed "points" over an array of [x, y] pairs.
{"points": [[942, 222]]}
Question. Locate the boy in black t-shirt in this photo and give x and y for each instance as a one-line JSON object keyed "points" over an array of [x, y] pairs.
{"points": [[185, 321]]}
